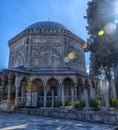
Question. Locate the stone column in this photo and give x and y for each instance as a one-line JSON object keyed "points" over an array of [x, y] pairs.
{"points": [[52, 91], [75, 85], [17, 85], [72, 96], [16, 96], [45, 97], [86, 97], [63, 96], [9, 91], [66, 93], [59, 93]]}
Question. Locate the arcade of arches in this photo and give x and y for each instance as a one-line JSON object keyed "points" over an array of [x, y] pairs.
{"points": [[38, 91]]}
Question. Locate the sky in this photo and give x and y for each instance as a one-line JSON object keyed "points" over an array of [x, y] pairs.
{"points": [[16, 15]]}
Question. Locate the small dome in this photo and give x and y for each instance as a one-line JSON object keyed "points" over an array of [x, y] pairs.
{"points": [[50, 25]]}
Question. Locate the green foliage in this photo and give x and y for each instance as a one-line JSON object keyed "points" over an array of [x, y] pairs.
{"points": [[57, 104], [79, 104], [114, 102], [94, 103], [68, 103], [49, 104], [104, 54]]}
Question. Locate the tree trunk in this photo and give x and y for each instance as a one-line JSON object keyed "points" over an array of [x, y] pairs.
{"points": [[116, 77]]}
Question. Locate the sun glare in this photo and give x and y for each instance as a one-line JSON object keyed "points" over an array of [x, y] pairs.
{"points": [[71, 55], [101, 32]]}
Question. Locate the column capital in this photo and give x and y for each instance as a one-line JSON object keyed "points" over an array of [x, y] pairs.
{"points": [[60, 82]]}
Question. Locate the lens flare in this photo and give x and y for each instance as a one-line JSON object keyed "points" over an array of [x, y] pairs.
{"points": [[109, 28], [116, 21], [101, 32], [71, 55], [66, 59]]}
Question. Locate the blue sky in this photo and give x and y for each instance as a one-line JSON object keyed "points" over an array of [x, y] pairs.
{"points": [[16, 15]]}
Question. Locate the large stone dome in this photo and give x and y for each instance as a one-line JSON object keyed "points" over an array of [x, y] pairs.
{"points": [[48, 25]]}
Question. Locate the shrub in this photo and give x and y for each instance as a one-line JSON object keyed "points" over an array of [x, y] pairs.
{"points": [[57, 104], [114, 102], [79, 104], [49, 104], [68, 103], [94, 103]]}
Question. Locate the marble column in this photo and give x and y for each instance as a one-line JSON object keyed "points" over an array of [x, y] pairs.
{"points": [[52, 92], [86, 97], [72, 97], [45, 97], [75, 85], [59, 93], [16, 96], [66, 93], [9, 91], [63, 96], [17, 85]]}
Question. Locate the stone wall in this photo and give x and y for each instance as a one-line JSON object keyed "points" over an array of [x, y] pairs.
{"points": [[108, 117]]}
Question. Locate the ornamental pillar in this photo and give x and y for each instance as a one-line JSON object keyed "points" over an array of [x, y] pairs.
{"points": [[63, 96], [9, 91], [52, 92], [17, 85], [75, 86], [45, 96], [72, 96]]}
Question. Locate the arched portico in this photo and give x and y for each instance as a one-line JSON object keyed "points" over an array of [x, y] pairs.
{"points": [[68, 83], [37, 86], [68, 91], [52, 90]]}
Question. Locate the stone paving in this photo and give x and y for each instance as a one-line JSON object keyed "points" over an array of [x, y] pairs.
{"points": [[15, 121]]}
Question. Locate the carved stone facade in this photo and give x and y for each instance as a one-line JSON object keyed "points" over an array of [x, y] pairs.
{"points": [[46, 64]]}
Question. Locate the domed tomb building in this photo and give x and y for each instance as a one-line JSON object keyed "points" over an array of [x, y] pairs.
{"points": [[46, 64]]}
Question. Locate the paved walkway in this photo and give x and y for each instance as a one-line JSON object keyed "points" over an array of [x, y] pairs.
{"points": [[14, 121]]}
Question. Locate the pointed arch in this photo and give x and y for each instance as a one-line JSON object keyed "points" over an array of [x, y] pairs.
{"points": [[52, 84]]}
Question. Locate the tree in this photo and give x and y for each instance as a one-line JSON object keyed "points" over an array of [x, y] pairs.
{"points": [[103, 40]]}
